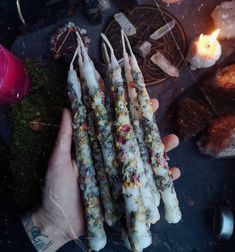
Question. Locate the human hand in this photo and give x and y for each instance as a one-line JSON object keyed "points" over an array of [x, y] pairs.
{"points": [[60, 217], [170, 141]]}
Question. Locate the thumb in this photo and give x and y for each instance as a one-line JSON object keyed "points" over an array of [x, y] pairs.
{"points": [[64, 137]]}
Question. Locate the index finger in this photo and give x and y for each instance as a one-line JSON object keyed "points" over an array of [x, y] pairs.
{"points": [[64, 138], [170, 141], [155, 104]]}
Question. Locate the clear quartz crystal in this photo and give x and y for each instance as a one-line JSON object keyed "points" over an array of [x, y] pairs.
{"points": [[104, 4], [125, 24]]}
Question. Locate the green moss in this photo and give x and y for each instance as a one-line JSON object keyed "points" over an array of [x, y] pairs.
{"points": [[30, 149]]}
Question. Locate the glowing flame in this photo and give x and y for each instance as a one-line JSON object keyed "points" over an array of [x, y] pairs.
{"points": [[207, 42], [209, 38], [214, 36], [201, 37]]}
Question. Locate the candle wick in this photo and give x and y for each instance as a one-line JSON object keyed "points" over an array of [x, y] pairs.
{"points": [[74, 56]]}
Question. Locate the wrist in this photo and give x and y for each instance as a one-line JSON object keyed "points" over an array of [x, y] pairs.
{"points": [[42, 233]]}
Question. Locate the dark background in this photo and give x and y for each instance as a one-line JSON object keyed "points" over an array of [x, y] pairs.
{"points": [[206, 184]]}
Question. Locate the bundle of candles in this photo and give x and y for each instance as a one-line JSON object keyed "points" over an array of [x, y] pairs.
{"points": [[121, 158]]}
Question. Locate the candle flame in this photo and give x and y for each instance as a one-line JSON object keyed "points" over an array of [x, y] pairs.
{"points": [[208, 41], [214, 36], [201, 37]]}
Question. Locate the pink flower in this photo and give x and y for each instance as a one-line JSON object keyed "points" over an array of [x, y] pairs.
{"points": [[161, 161], [132, 84], [84, 126], [123, 156], [112, 95], [126, 128], [134, 178], [122, 140]]}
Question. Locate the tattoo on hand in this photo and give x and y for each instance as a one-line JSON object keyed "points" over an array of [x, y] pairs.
{"points": [[40, 241]]}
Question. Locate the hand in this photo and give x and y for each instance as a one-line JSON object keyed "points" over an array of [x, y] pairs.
{"points": [[60, 217], [170, 141]]}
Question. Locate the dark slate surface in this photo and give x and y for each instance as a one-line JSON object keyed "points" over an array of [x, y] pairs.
{"points": [[205, 184]]}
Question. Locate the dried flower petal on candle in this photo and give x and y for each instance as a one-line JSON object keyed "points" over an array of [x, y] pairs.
{"points": [[138, 129], [155, 146], [102, 176], [125, 24], [134, 186], [143, 48], [163, 30], [104, 130], [88, 183], [161, 61]]}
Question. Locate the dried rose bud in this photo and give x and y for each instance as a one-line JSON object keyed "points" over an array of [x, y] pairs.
{"points": [[36, 125]]}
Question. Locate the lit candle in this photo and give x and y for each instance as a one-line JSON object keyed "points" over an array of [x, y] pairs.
{"points": [[14, 81], [204, 51]]}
